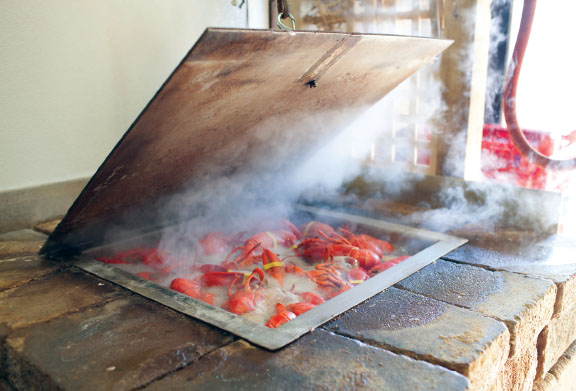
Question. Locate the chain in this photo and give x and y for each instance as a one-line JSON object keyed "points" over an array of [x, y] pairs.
{"points": [[283, 13]]}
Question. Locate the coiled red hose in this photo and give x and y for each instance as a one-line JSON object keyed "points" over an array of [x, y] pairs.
{"points": [[509, 97]]}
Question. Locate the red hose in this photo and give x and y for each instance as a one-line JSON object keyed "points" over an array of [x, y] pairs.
{"points": [[509, 97]]}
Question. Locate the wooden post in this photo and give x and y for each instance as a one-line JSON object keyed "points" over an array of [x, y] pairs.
{"points": [[464, 71]]}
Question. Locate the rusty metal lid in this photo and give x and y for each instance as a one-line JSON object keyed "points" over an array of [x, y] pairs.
{"points": [[238, 98]]}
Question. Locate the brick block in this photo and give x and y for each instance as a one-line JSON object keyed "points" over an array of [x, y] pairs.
{"points": [[430, 330], [47, 227], [317, 361], [41, 300], [547, 383], [124, 344], [553, 341], [519, 371], [20, 243], [562, 376], [18, 271], [545, 262], [565, 370], [524, 304], [566, 291]]}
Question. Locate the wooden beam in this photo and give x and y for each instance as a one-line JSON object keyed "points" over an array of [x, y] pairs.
{"points": [[464, 71]]}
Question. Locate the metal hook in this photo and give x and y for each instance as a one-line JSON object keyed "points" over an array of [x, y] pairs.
{"points": [[282, 26]]}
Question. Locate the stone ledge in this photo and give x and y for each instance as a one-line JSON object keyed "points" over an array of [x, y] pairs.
{"points": [[532, 259], [64, 293], [21, 243], [47, 227], [524, 304], [426, 329], [18, 271], [318, 361], [123, 344]]}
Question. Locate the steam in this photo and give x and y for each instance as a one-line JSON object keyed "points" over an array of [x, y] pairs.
{"points": [[262, 190], [481, 204]]}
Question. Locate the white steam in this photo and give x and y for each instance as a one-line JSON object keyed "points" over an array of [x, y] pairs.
{"points": [[263, 190]]}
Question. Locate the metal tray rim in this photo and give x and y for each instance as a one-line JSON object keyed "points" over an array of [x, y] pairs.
{"points": [[273, 339]]}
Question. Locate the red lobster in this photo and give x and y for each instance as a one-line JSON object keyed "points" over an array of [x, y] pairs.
{"points": [[312, 298], [386, 265], [368, 242], [314, 228], [327, 277], [226, 278], [282, 316], [263, 240], [145, 255], [245, 300], [299, 308], [216, 243], [149, 256], [213, 243], [358, 275], [326, 248], [191, 288], [207, 267], [275, 268]]}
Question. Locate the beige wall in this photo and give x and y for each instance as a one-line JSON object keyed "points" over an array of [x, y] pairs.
{"points": [[74, 74]]}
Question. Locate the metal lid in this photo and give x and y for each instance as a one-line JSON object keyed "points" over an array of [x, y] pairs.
{"points": [[237, 97]]}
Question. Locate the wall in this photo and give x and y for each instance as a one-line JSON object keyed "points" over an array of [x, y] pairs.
{"points": [[74, 74]]}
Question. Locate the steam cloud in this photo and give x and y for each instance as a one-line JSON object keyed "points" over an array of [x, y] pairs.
{"points": [[263, 191]]}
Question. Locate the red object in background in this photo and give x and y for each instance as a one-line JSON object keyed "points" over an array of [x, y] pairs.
{"points": [[423, 156], [503, 163]]}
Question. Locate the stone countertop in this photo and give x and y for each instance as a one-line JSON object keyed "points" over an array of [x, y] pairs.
{"points": [[462, 323]]}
